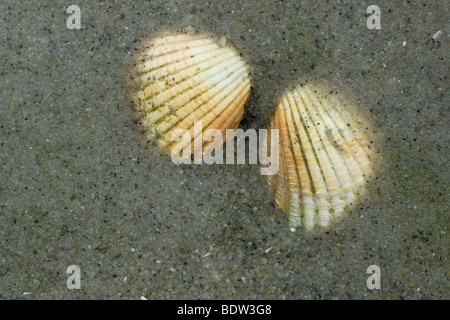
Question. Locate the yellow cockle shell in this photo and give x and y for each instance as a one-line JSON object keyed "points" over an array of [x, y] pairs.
{"points": [[181, 80], [324, 156]]}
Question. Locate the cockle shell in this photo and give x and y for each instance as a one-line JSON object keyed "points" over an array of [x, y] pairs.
{"points": [[183, 80], [324, 159]]}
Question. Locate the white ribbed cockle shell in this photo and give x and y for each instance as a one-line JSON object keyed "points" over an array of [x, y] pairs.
{"points": [[323, 156], [182, 80]]}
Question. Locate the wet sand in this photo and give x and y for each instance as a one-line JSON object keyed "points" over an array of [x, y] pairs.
{"points": [[80, 186]]}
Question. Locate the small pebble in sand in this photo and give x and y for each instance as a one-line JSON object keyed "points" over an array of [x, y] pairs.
{"points": [[437, 35]]}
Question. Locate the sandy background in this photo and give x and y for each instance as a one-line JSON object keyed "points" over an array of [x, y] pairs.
{"points": [[79, 185]]}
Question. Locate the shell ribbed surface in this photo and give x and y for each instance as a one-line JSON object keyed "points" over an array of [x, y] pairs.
{"points": [[323, 156], [183, 80]]}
